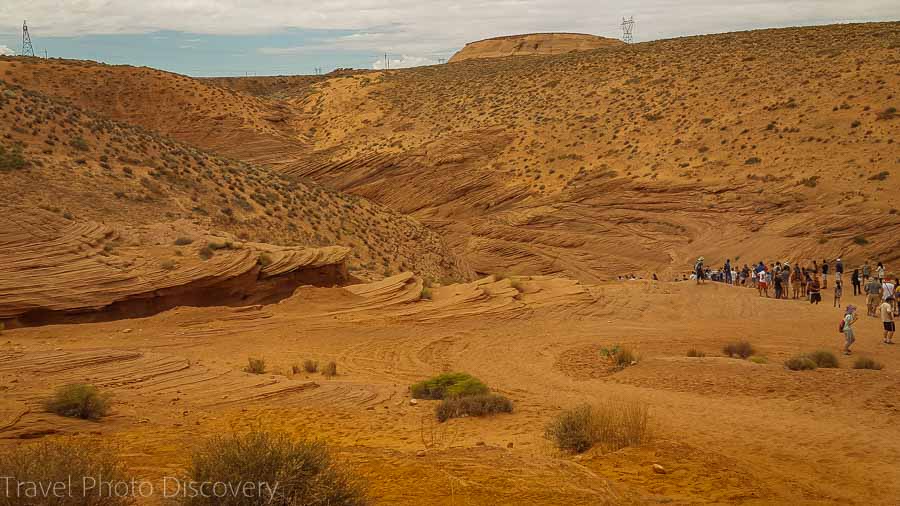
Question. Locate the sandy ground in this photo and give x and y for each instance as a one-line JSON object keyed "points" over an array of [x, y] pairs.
{"points": [[726, 430]]}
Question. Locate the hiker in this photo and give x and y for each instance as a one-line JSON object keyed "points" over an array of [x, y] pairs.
{"points": [[857, 284], [839, 271], [815, 295], [727, 269], [698, 270], [847, 328], [866, 271], [873, 295], [785, 280], [779, 284], [797, 281], [879, 272], [763, 283], [887, 319], [896, 305], [887, 290], [838, 291], [824, 274]]}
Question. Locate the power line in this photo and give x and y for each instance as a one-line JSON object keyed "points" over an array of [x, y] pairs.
{"points": [[27, 48], [628, 30]]}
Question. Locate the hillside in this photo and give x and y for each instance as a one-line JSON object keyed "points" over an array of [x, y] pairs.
{"points": [[629, 159], [532, 44], [120, 200]]}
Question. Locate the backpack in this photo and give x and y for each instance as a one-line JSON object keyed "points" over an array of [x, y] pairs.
{"points": [[841, 326]]}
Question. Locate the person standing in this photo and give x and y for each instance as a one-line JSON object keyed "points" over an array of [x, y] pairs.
{"points": [[839, 271], [879, 272], [797, 281], [824, 274], [857, 284], [785, 280], [887, 290], [849, 336], [815, 295], [873, 292], [727, 270], [866, 272], [838, 291], [887, 319], [698, 270]]}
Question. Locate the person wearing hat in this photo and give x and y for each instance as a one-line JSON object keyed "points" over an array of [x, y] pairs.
{"points": [[838, 270], [849, 319], [698, 270], [887, 319]]}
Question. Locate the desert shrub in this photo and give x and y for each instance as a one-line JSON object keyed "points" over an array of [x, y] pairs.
{"points": [[824, 358], [741, 349], [624, 357], [867, 363], [425, 294], [862, 241], [472, 405], [613, 424], [693, 352], [756, 359], [255, 366], [168, 265], [447, 385], [55, 461], [329, 369], [310, 365], [881, 176], [11, 159], [206, 252], [80, 144], [79, 400], [183, 241], [752, 161], [801, 363], [305, 471]]}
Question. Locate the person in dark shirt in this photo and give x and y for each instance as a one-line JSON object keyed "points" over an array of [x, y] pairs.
{"points": [[824, 273]]}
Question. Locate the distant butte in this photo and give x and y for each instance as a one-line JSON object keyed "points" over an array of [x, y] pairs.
{"points": [[532, 44]]}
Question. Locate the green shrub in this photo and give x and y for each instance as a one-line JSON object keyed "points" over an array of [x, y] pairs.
{"points": [[741, 349], [473, 405], [255, 366], [756, 359], [206, 252], [801, 363], [612, 424], [867, 363], [453, 384], [56, 461], [329, 369], [11, 159], [862, 241], [304, 471], [80, 144], [623, 358], [183, 241], [425, 294], [824, 358], [79, 400], [693, 352]]}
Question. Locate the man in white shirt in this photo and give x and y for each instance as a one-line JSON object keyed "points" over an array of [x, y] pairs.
{"points": [[887, 290]]}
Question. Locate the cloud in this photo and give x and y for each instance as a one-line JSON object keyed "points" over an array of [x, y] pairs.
{"points": [[404, 61], [6, 51]]}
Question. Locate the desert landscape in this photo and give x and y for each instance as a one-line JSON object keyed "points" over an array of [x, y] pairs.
{"points": [[468, 281]]}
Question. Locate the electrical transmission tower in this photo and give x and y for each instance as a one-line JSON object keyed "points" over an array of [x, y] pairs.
{"points": [[627, 30], [27, 48]]}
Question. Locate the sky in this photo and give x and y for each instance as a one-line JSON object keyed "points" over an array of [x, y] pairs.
{"points": [[272, 37]]}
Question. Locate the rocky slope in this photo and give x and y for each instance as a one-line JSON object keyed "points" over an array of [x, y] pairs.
{"points": [[532, 44]]}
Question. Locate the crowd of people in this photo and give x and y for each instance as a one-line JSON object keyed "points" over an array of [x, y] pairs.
{"points": [[806, 282]]}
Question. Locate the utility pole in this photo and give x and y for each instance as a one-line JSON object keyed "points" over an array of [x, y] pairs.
{"points": [[628, 30], [27, 48], [45, 54], [387, 63]]}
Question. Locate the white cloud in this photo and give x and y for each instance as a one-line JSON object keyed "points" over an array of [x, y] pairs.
{"points": [[403, 61], [422, 28], [6, 51]]}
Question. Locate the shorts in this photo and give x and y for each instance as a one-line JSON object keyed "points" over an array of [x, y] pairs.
{"points": [[871, 299], [849, 338], [888, 326]]}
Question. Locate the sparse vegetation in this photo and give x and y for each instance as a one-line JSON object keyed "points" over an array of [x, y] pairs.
{"points": [[79, 400], [183, 241], [305, 471], [862, 241], [867, 363], [739, 349], [11, 159], [824, 359], [756, 359], [473, 405], [447, 385], [800, 363], [613, 424], [206, 252], [255, 366], [693, 352], [310, 366], [329, 370], [58, 461], [425, 294]]}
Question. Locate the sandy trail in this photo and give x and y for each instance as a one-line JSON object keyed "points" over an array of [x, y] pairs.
{"points": [[727, 430]]}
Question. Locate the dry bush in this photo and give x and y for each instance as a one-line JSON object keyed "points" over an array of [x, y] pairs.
{"points": [[56, 461], [255, 366], [612, 425], [472, 405], [824, 358], [305, 471], [425, 294], [757, 359], [741, 349], [79, 400], [693, 352], [183, 241], [310, 365], [867, 363], [330, 369], [801, 363], [11, 159], [452, 384]]}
